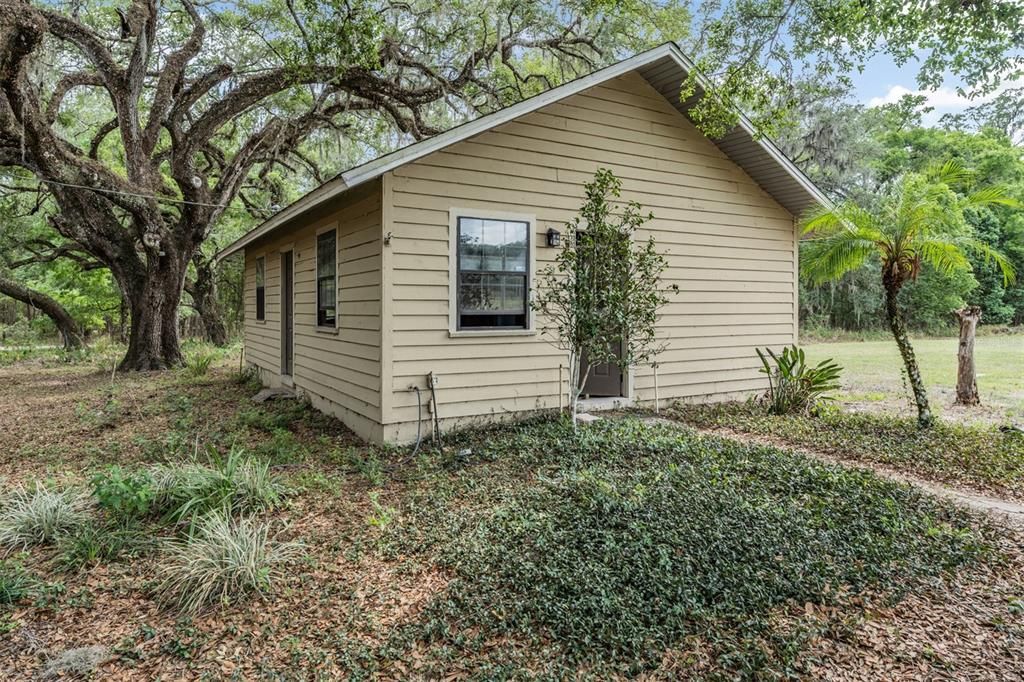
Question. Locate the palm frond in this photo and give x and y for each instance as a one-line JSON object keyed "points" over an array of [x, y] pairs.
{"points": [[823, 221], [996, 195], [950, 172], [828, 258], [943, 254], [992, 255], [847, 216]]}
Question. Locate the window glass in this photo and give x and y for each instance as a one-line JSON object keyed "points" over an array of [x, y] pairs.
{"points": [[261, 291], [326, 279], [493, 270]]}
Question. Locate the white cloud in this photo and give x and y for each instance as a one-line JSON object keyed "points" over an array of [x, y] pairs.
{"points": [[943, 100]]}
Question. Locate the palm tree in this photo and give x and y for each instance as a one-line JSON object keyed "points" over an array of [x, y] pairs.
{"points": [[920, 220]]}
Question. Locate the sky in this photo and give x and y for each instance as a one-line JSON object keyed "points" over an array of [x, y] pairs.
{"points": [[882, 82]]}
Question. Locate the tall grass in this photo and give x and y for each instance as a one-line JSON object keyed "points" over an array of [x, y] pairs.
{"points": [[221, 561]]}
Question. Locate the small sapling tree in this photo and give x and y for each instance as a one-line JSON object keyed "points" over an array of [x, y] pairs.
{"points": [[599, 300]]}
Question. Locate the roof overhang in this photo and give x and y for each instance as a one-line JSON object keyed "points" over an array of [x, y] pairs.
{"points": [[665, 67]]}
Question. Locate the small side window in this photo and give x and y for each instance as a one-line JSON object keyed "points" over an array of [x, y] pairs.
{"points": [[261, 289], [326, 279]]}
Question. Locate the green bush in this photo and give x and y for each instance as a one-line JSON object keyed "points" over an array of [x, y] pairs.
{"points": [[237, 483], [793, 386], [124, 494], [40, 515], [613, 545], [221, 562]]}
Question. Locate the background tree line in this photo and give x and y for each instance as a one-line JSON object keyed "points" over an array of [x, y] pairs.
{"points": [[137, 138], [853, 151]]}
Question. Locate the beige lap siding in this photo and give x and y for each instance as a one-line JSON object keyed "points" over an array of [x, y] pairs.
{"points": [[731, 249], [338, 370]]}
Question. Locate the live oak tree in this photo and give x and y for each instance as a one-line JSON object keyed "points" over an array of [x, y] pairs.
{"points": [[599, 301], [202, 102], [919, 221]]}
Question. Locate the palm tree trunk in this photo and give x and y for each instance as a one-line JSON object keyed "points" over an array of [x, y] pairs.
{"points": [[899, 332]]}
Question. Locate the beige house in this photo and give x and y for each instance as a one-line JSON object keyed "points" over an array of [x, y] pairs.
{"points": [[360, 291]]}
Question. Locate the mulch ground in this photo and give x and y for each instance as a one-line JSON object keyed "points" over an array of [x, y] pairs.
{"points": [[343, 599]]}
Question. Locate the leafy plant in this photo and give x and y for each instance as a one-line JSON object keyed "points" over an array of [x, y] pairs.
{"points": [[793, 386], [124, 494], [975, 453], [602, 286], [270, 418], [38, 516], [237, 483], [366, 462], [198, 362], [283, 447], [382, 515], [222, 561]]}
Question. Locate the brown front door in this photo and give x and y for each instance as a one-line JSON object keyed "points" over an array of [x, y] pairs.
{"points": [[287, 315], [605, 379]]}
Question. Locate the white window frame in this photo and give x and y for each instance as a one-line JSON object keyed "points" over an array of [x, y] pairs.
{"points": [[454, 214], [316, 277]]}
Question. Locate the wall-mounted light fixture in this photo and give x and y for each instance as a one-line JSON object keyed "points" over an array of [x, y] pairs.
{"points": [[554, 237]]}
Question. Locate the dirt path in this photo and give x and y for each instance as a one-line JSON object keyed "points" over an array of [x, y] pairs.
{"points": [[1006, 511]]}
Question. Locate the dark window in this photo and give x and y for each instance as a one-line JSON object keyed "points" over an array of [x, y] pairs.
{"points": [[326, 278], [493, 267], [261, 288]]}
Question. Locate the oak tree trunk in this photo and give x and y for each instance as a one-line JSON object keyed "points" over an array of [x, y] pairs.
{"points": [[70, 332], [204, 299], [154, 298], [899, 333], [966, 375]]}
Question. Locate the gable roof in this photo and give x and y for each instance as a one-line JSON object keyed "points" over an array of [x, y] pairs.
{"points": [[663, 67]]}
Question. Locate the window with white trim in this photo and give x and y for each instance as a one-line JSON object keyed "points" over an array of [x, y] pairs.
{"points": [[493, 273], [326, 278]]}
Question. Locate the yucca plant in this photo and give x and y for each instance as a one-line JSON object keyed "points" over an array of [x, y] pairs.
{"points": [[793, 385], [41, 515], [920, 221], [221, 561]]}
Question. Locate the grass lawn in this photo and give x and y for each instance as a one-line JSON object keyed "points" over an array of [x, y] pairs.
{"points": [[630, 549], [873, 379]]}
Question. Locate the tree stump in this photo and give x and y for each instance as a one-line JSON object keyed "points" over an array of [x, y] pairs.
{"points": [[966, 376]]}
